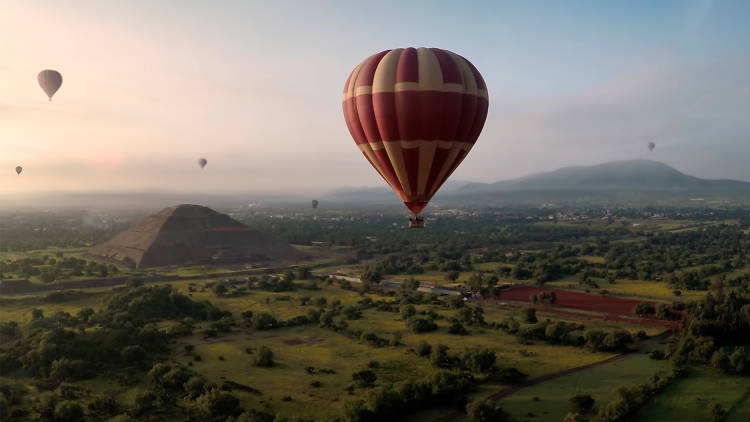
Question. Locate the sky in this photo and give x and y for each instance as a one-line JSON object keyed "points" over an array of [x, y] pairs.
{"points": [[255, 88]]}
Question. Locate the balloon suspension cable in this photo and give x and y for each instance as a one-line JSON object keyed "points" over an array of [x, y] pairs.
{"points": [[416, 222]]}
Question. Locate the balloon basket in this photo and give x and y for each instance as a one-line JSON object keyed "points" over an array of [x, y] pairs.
{"points": [[416, 222]]}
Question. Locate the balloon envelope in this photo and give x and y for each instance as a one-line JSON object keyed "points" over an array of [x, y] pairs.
{"points": [[651, 146], [50, 81], [315, 203], [19, 169], [415, 114], [202, 162]]}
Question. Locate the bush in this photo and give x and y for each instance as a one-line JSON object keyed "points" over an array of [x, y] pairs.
{"points": [[421, 325], [486, 411], [457, 328], [424, 349], [528, 315], [717, 411], [364, 378], [407, 312], [264, 357], [581, 403], [133, 354], [68, 411]]}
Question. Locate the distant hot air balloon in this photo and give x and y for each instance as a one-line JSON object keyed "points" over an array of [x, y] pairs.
{"points": [[202, 162], [315, 203], [651, 146], [19, 169], [415, 114], [50, 81]]}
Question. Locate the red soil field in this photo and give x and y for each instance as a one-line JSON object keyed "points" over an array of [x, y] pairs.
{"points": [[573, 299], [616, 307]]}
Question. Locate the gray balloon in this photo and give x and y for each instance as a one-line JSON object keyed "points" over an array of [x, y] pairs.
{"points": [[202, 162], [651, 146], [19, 169], [50, 81]]}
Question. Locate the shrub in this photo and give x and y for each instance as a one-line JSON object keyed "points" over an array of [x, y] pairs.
{"points": [[581, 403], [421, 325], [424, 349], [528, 315], [486, 411], [264, 357], [364, 378], [457, 328]]}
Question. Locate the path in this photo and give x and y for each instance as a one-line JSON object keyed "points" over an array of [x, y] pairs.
{"points": [[538, 380]]}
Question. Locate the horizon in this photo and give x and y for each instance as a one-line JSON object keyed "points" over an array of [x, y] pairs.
{"points": [[322, 192], [598, 93]]}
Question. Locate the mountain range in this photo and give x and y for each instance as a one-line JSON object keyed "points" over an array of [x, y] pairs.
{"points": [[617, 180]]}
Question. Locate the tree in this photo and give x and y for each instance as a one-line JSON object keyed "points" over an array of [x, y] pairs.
{"points": [[410, 285], [103, 406], [528, 315], [68, 411], [486, 411], [421, 325], [480, 361], [644, 308], [264, 321], [303, 273], [424, 349], [717, 411], [264, 357], [352, 312], [194, 386], [371, 276], [288, 276], [133, 354], [407, 312], [37, 314], [575, 417], [452, 276], [357, 411], [220, 289], [457, 328], [217, 405], [85, 314], [145, 402], [739, 360], [364, 378], [720, 360], [122, 418], [581, 403]]}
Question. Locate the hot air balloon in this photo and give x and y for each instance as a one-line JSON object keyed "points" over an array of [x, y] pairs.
{"points": [[651, 146], [202, 162], [415, 114], [19, 169], [315, 203], [50, 81]]}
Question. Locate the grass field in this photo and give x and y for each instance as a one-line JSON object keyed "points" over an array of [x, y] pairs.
{"points": [[689, 399], [18, 309], [638, 288], [548, 401]]}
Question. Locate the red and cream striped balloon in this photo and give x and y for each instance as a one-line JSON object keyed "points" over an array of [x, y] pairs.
{"points": [[415, 114]]}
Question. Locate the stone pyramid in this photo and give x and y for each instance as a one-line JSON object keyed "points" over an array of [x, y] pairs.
{"points": [[192, 234]]}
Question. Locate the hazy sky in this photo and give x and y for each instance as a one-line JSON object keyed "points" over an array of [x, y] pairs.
{"points": [[255, 87]]}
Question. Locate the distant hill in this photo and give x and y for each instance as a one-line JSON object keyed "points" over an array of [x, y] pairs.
{"points": [[631, 175], [616, 180]]}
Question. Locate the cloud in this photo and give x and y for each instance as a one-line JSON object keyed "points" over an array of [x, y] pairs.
{"points": [[690, 111]]}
